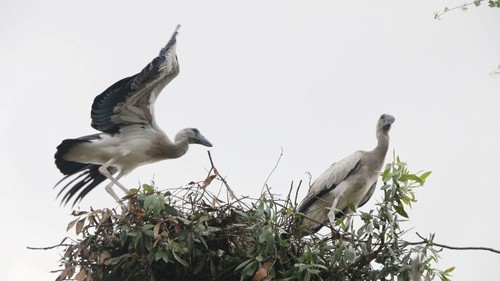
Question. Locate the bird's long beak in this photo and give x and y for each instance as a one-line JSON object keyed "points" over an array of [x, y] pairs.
{"points": [[200, 139]]}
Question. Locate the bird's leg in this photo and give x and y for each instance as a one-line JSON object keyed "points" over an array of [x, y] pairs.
{"points": [[111, 192], [109, 189], [348, 220], [333, 210], [104, 171]]}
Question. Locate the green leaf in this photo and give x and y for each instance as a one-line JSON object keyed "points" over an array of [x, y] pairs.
{"points": [[412, 177], [449, 270], [165, 257], [179, 259], [400, 210], [154, 203], [425, 175], [386, 172], [249, 269], [308, 276], [243, 264], [123, 236], [148, 229], [138, 241], [148, 188], [148, 243], [158, 255], [161, 199], [351, 207], [149, 202], [170, 210], [241, 214], [349, 255], [266, 237], [116, 260]]}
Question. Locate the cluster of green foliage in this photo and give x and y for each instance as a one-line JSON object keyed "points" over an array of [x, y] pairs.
{"points": [[190, 233]]}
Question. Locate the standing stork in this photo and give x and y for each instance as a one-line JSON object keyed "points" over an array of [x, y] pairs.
{"points": [[130, 136], [351, 181]]}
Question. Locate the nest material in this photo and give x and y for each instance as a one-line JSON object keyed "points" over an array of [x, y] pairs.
{"points": [[185, 233]]}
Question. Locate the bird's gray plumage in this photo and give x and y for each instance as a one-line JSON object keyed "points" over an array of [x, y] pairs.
{"points": [[349, 181], [130, 136]]}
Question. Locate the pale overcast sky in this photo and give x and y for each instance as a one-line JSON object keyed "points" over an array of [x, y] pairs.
{"points": [[309, 76]]}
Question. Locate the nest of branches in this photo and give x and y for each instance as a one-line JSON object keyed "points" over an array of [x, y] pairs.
{"points": [[192, 233]]}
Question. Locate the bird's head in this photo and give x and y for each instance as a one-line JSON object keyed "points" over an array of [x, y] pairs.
{"points": [[385, 122], [193, 135]]}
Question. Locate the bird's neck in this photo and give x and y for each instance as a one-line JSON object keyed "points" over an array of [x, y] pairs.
{"points": [[382, 145], [164, 148], [179, 147]]}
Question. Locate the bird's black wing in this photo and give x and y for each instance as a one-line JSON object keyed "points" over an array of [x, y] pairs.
{"points": [[131, 100]]}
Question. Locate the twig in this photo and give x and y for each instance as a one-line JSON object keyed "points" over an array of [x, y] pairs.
{"points": [[231, 193], [297, 193], [223, 180], [463, 7], [48, 248], [271, 173], [425, 241]]}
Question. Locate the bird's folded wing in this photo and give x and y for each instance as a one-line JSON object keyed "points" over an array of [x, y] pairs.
{"points": [[131, 100], [368, 195], [332, 177]]}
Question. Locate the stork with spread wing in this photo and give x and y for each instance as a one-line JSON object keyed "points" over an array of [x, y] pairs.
{"points": [[130, 137]]}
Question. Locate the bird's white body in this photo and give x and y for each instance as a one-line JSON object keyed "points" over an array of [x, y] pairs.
{"points": [[133, 147]]}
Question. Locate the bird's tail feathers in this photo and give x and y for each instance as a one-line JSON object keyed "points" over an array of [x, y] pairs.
{"points": [[84, 181], [69, 167], [80, 178]]}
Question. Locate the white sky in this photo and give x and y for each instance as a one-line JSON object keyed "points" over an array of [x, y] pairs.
{"points": [[257, 76]]}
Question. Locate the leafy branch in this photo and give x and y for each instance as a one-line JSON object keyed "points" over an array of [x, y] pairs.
{"points": [[466, 5]]}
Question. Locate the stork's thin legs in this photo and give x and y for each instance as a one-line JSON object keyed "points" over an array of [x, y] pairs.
{"points": [[111, 192], [114, 180], [106, 173], [333, 209], [332, 213], [109, 187]]}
